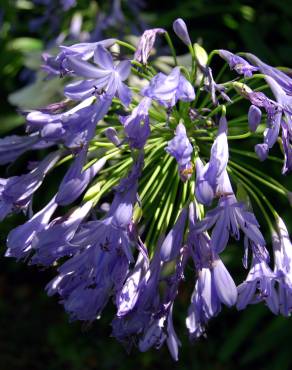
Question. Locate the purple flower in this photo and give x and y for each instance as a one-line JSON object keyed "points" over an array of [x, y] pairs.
{"points": [[76, 180], [259, 284], [173, 241], [262, 151], [16, 192], [212, 87], [101, 257], [181, 149], [287, 146], [209, 176], [11, 147], [146, 43], [74, 128], [19, 240], [280, 77], [229, 217], [136, 125], [107, 78], [53, 242], [127, 297], [283, 266], [181, 31], [214, 284], [254, 117], [240, 65], [58, 65], [168, 89], [112, 136]]}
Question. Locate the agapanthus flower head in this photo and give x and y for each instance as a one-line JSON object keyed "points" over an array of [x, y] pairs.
{"points": [[124, 225]]}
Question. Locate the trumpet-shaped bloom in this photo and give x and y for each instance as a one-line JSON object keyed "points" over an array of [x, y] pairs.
{"points": [[168, 89], [240, 65], [16, 192], [106, 78], [136, 125], [181, 149]]}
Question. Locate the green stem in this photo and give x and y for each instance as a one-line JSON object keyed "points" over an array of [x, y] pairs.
{"points": [[170, 44]]}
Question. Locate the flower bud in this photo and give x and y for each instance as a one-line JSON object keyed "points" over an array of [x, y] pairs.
{"points": [[254, 117], [111, 134], [180, 28], [262, 151]]}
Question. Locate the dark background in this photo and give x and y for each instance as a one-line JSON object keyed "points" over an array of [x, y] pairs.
{"points": [[34, 330]]}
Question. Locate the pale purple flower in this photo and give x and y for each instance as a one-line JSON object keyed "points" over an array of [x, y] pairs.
{"points": [[76, 179], [137, 124], [74, 128], [209, 176], [58, 65], [11, 147], [214, 285], [19, 240], [173, 241], [229, 217], [280, 77], [262, 151], [53, 242], [237, 63], [180, 28], [16, 192], [107, 78], [181, 149], [102, 251], [168, 89], [212, 87], [260, 282], [112, 136], [283, 266], [254, 117], [146, 43], [287, 146], [127, 297]]}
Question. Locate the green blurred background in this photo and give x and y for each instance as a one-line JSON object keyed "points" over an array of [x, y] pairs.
{"points": [[34, 330]]}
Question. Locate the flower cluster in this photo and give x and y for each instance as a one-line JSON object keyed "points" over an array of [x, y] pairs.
{"points": [[149, 187]]}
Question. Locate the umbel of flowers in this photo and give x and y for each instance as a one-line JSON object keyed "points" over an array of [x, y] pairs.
{"points": [[150, 188]]}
